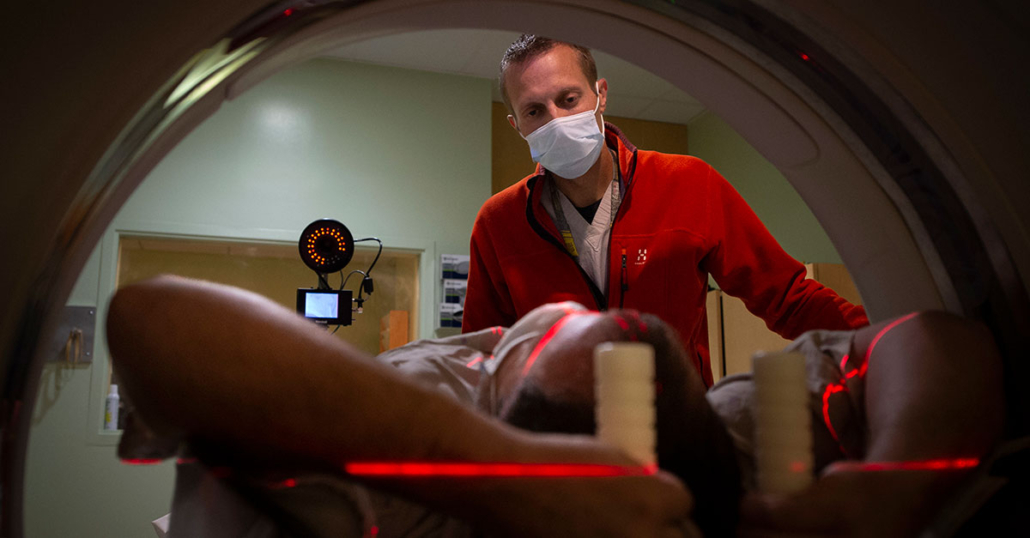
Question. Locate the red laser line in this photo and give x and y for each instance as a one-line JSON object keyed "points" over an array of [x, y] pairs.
{"points": [[549, 335], [285, 484], [641, 326], [834, 388], [142, 461], [883, 332], [923, 465], [830, 390], [413, 469]]}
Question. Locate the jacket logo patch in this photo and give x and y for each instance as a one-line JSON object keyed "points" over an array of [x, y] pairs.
{"points": [[641, 256]]}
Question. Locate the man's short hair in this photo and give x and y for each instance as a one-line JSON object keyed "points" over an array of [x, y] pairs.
{"points": [[529, 46]]}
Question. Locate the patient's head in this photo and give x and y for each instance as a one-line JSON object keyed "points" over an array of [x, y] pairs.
{"points": [[550, 389]]}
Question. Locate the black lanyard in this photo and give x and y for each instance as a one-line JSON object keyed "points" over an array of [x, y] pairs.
{"points": [[559, 213]]}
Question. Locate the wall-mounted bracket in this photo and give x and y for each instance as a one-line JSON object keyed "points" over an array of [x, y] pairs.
{"points": [[72, 342]]}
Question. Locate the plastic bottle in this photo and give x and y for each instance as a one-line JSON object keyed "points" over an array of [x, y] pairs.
{"points": [[111, 409], [783, 423], [624, 390]]}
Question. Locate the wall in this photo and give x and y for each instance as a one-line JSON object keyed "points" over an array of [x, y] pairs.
{"points": [[771, 196], [323, 139], [273, 271], [78, 489]]}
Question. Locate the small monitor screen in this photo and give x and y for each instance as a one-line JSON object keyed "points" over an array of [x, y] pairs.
{"points": [[331, 307], [322, 305]]}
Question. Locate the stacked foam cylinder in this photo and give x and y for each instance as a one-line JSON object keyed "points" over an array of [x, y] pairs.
{"points": [[624, 390], [783, 423]]}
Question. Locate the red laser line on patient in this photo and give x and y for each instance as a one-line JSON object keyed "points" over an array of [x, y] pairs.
{"points": [[622, 322], [414, 469], [841, 386], [549, 335], [641, 326], [953, 464], [831, 389], [141, 461], [883, 332]]}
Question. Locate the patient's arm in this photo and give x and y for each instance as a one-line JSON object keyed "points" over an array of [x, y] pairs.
{"points": [[227, 367], [933, 390]]}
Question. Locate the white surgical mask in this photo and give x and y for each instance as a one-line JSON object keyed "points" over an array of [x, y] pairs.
{"points": [[568, 146]]}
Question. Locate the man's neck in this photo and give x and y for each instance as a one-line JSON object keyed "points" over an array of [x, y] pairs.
{"points": [[590, 187]]}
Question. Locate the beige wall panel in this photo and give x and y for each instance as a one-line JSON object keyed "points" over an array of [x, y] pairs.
{"points": [[836, 277], [744, 334], [276, 271]]}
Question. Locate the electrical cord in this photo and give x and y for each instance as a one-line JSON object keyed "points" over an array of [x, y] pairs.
{"points": [[366, 281], [376, 239], [343, 284]]}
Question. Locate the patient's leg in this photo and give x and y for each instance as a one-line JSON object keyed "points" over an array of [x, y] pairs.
{"points": [[933, 389], [932, 393], [556, 395]]}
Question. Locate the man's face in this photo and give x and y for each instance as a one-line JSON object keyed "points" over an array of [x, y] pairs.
{"points": [[550, 86]]}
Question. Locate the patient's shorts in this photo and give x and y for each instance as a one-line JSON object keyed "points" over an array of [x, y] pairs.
{"points": [[835, 392]]}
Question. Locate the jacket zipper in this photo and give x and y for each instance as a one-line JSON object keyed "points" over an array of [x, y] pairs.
{"points": [[623, 281], [599, 297]]}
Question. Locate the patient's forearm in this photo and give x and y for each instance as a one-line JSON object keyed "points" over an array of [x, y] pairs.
{"points": [[222, 365], [217, 363]]}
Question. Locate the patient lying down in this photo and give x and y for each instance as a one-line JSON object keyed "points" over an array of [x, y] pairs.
{"points": [[300, 396]]}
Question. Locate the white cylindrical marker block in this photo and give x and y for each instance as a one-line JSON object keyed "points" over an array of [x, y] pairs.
{"points": [[783, 422], [624, 391]]}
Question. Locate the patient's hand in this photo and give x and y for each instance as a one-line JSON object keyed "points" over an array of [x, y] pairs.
{"points": [[632, 506], [849, 502], [628, 506]]}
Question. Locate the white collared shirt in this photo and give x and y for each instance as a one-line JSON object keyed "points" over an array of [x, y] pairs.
{"points": [[591, 237]]}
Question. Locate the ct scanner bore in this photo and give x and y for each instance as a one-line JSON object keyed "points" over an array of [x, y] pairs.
{"points": [[921, 198]]}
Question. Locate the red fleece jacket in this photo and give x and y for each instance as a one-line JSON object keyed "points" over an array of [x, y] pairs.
{"points": [[679, 221]]}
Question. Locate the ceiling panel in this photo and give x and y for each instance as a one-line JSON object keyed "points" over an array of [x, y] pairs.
{"points": [[670, 112], [632, 91]]}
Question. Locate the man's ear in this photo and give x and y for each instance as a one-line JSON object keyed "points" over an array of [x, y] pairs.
{"points": [[602, 94], [511, 121]]}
